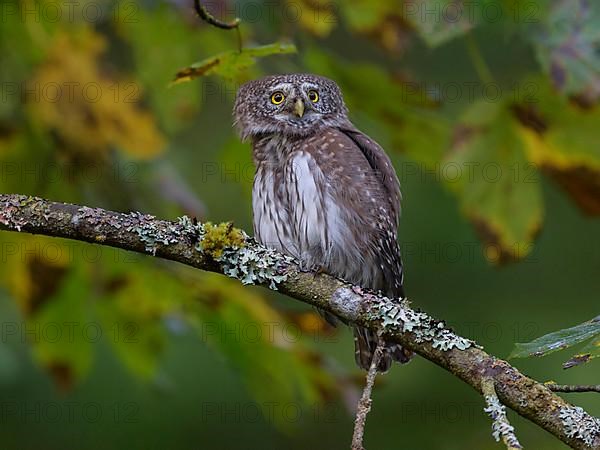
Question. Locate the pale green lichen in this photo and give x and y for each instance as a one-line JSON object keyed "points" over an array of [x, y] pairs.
{"points": [[190, 226], [150, 233], [501, 427], [580, 425], [9, 213], [425, 328], [255, 264]]}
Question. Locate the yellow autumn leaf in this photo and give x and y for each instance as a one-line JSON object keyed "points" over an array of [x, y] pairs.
{"points": [[33, 266], [545, 150], [505, 204], [316, 16], [562, 140], [89, 111]]}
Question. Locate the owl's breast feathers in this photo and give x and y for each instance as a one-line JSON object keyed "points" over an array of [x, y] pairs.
{"points": [[331, 200]]}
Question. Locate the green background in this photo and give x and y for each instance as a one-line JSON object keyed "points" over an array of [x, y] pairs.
{"points": [[158, 377]]}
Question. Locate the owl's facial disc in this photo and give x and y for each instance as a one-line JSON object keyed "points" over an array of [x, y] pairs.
{"points": [[294, 104]]}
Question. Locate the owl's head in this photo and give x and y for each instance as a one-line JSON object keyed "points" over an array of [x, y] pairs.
{"points": [[294, 104]]}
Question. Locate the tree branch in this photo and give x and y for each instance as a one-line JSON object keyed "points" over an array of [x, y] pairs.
{"points": [[231, 252], [501, 427], [364, 404], [568, 388]]}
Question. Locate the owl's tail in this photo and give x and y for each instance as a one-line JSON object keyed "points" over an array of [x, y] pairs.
{"points": [[365, 343]]}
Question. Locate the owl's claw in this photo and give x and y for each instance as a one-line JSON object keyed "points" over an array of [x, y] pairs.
{"points": [[315, 270], [318, 271]]}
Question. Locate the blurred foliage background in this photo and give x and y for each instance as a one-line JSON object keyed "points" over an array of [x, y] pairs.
{"points": [[489, 110]]}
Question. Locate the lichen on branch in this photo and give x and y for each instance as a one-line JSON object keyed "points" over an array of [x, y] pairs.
{"points": [[502, 430]]}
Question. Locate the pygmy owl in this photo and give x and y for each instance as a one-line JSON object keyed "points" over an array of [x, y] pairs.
{"points": [[324, 193]]}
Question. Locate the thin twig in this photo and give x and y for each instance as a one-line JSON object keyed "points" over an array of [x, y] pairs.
{"points": [[205, 15], [573, 387], [212, 20], [481, 67], [501, 427], [364, 404]]}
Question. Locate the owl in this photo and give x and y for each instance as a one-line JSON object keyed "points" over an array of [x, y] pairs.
{"points": [[323, 193]]}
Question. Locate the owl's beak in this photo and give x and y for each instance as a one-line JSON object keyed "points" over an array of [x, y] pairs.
{"points": [[299, 107]]}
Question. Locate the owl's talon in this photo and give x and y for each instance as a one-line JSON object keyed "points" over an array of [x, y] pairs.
{"points": [[304, 269], [318, 271], [315, 271]]}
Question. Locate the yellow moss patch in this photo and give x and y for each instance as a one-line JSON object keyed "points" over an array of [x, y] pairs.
{"points": [[218, 237]]}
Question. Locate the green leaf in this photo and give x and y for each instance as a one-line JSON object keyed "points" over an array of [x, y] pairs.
{"points": [[132, 310], [230, 65], [568, 47], [64, 332], [19, 53], [439, 21], [274, 363], [383, 105], [560, 340], [364, 15], [157, 54], [318, 16], [562, 139], [497, 187]]}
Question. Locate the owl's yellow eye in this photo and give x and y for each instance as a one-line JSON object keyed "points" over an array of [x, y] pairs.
{"points": [[277, 98], [313, 96]]}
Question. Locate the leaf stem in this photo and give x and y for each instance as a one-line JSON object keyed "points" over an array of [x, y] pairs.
{"points": [[483, 71]]}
